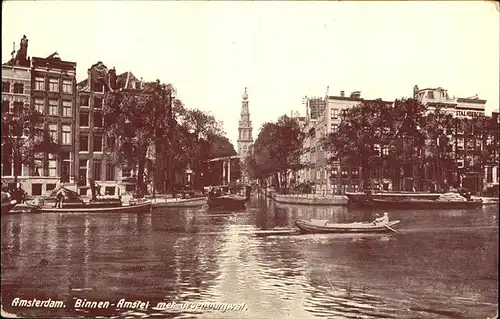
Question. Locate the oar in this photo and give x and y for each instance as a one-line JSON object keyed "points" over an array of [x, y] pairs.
{"points": [[390, 228]]}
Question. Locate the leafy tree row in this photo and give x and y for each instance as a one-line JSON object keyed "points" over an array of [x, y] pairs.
{"points": [[410, 142], [151, 123]]}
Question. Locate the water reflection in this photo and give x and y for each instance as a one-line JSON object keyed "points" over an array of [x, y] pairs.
{"points": [[440, 263]]}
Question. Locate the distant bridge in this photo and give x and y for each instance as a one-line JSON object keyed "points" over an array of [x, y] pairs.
{"points": [[224, 158]]}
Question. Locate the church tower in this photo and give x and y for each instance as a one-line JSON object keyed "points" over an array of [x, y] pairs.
{"points": [[245, 139]]}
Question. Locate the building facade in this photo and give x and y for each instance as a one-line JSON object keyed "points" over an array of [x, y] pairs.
{"points": [[91, 161], [324, 117], [53, 83], [16, 90], [468, 143]]}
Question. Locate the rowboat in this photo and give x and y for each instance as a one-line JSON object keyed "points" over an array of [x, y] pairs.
{"points": [[179, 202], [144, 207], [357, 227]]}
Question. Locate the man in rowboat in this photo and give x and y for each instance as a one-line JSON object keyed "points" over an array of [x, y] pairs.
{"points": [[384, 220]]}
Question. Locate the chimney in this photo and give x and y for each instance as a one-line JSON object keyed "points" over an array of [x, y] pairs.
{"points": [[415, 91], [342, 94], [356, 95]]}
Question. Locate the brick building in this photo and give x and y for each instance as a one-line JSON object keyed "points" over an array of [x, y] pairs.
{"points": [[91, 161], [53, 93]]}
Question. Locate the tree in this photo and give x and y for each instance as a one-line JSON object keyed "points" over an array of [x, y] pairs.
{"points": [[364, 132], [24, 136], [276, 150], [204, 130], [136, 120], [407, 144], [439, 155]]}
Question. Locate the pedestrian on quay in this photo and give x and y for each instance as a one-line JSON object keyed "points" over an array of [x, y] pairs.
{"points": [[59, 199]]}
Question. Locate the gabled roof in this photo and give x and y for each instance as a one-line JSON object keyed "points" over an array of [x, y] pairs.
{"points": [[126, 80]]}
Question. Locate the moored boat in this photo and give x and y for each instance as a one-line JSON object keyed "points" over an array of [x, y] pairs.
{"points": [[356, 227], [144, 207], [363, 197], [222, 198], [179, 202], [7, 206], [419, 204]]}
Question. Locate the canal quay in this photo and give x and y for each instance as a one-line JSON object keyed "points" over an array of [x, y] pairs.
{"points": [[177, 263]]}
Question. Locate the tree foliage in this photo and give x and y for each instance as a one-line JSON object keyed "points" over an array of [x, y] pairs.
{"points": [[276, 150], [410, 141], [142, 122], [24, 135]]}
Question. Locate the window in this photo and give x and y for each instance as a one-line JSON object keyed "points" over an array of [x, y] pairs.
{"points": [[18, 107], [345, 172], [5, 87], [66, 134], [50, 187], [52, 165], [430, 95], [36, 189], [126, 172], [377, 149], [97, 143], [354, 173], [97, 102], [5, 106], [53, 108], [97, 171], [335, 172], [40, 84], [82, 163], [18, 88], [109, 190], [66, 108], [98, 87], [67, 87], [110, 172], [54, 85], [84, 144], [84, 119], [110, 142], [460, 143], [39, 105], [97, 119], [335, 113], [84, 101], [334, 128], [53, 132], [385, 150]]}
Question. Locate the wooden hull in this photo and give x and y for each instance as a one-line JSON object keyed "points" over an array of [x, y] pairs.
{"points": [[361, 199], [227, 202], [308, 227], [423, 204], [7, 206], [180, 203], [138, 208]]}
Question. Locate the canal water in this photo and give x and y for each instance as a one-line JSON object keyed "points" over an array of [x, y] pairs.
{"points": [[440, 264]]}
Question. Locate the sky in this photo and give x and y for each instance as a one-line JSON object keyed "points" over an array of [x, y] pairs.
{"points": [[281, 51]]}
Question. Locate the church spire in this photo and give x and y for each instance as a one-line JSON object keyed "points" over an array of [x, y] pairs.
{"points": [[245, 139]]}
